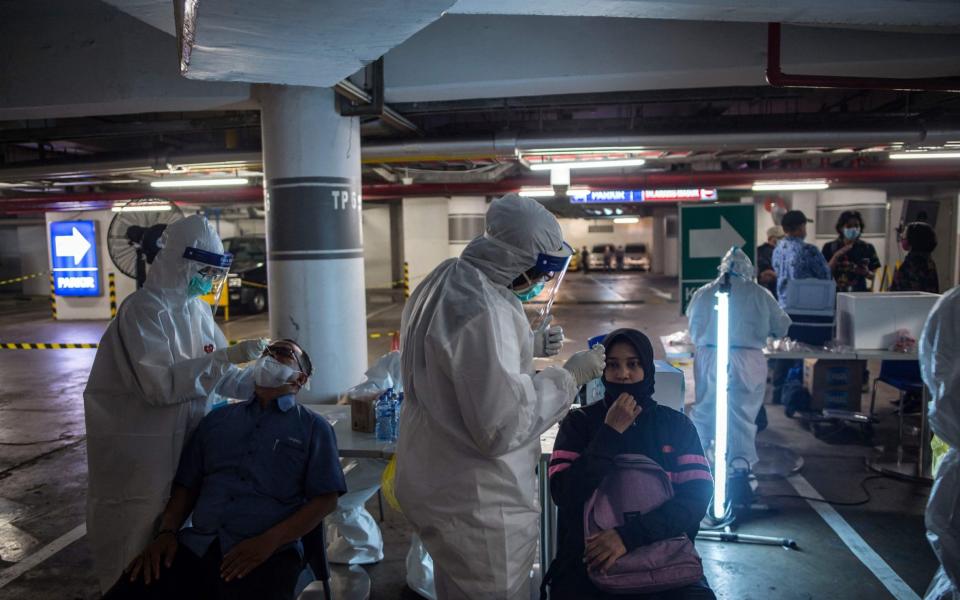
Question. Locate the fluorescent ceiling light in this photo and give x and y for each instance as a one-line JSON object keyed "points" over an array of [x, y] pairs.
{"points": [[143, 208], [626, 220], [781, 186], [13, 185], [588, 164], [595, 150], [923, 155], [172, 183]]}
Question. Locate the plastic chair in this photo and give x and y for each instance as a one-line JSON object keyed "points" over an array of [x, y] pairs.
{"points": [[902, 375], [315, 556]]}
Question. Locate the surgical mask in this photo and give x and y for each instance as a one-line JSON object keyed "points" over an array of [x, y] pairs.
{"points": [[199, 286], [851, 233], [268, 372], [531, 293]]}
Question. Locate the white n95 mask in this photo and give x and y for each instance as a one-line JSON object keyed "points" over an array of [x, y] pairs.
{"points": [[268, 372]]}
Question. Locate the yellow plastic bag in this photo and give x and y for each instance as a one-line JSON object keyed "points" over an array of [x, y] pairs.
{"points": [[938, 449], [388, 483]]}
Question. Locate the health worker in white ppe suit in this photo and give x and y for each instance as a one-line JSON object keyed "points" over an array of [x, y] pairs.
{"points": [[474, 410], [940, 369], [160, 364], [754, 316]]}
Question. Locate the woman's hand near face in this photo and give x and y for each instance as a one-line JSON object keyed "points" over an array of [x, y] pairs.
{"points": [[622, 413]]}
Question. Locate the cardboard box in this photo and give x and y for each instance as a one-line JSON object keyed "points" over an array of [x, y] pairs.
{"points": [[870, 321], [834, 384], [363, 413]]}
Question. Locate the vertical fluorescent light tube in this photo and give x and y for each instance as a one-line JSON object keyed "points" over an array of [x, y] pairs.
{"points": [[720, 434]]}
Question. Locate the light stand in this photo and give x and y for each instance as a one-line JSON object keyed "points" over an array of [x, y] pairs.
{"points": [[720, 515]]}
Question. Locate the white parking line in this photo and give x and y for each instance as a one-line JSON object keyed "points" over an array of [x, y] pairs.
{"points": [[887, 576], [11, 573], [661, 293]]}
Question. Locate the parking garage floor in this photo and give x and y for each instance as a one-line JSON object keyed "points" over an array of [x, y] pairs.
{"points": [[875, 550]]}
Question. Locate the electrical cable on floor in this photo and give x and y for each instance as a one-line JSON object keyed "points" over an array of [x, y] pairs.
{"points": [[863, 486], [63, 436]]}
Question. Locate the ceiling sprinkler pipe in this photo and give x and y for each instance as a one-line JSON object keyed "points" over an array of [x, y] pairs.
{"points": [[777, 78]]}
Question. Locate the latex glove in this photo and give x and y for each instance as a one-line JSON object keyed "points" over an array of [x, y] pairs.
{"points": [[547, 341], [246, 350], [587, 365]]}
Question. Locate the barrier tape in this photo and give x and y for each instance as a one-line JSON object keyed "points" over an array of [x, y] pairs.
{"points": [[53, 298], [376, 335], [406, 280], [22, 278], [253, 284]]}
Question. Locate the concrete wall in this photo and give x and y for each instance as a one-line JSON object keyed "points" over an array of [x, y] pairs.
{"points": [[33, 259], [426, 240], [98, 307], [575, 232], [376, 247]]}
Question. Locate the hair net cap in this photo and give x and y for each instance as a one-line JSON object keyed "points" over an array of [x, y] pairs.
{"points": [[736, 262]]}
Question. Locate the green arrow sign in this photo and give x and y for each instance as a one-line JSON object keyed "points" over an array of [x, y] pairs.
{"points": [[706, 234]]}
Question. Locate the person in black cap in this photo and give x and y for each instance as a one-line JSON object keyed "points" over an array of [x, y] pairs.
{"points": [[793, 258]]}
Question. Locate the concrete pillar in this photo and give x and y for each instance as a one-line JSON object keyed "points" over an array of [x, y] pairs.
{"points": [[658, 251], [311, 159], [466, 216]]}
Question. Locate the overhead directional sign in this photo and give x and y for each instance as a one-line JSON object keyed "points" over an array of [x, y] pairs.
{"points": [[630, 196], [73, 256], [707, 232]]}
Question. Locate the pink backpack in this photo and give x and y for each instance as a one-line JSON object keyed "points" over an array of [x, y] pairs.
{"points": [[636, 487]]}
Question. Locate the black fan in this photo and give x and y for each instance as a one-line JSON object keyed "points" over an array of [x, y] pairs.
{"points": [[134, 231]]}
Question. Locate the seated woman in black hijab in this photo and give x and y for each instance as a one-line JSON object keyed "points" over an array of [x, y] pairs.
{"points": [[626, 421]]}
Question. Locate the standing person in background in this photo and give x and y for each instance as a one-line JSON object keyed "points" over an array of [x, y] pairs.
{"points": [[621, 255], [793, 259], [852, 261], [918, 273], [766, 276], [585, 259], [607, 257]]}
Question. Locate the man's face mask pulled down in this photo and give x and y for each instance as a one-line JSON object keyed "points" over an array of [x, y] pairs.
{"points": [[211, 272], [543, 279]]}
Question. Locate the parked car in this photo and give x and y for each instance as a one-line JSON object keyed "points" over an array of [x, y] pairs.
{"points": [[636, 257], [596, 257], [247, 282]]}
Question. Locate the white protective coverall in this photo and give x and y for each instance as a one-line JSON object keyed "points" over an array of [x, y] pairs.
{"points": [[474, 409], [940, 368], [754, 316], [157, 368]]}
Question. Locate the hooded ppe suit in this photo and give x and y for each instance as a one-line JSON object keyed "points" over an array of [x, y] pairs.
{"points": [[474, 409], [157, 366], [754, 316], [940, 368]]}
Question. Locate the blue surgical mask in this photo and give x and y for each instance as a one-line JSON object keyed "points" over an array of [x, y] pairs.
{"points": [[199, 286], [851, 233], [531, 293]]}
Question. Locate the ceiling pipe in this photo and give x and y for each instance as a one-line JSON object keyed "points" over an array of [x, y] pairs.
{"points": [[691, 179], [777, 78]]}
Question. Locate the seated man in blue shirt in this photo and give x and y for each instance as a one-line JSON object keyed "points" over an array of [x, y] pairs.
{"points": [[254, 478]]}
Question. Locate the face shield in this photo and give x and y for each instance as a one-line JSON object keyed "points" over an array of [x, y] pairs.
{"points": [[211, 273], [542, 282]]}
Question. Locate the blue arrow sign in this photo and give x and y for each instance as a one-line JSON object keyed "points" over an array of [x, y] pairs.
{"points": [[73, 256]]}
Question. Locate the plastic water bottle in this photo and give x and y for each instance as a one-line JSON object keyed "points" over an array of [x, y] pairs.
{"points": [[396, 421], [386, 411]]}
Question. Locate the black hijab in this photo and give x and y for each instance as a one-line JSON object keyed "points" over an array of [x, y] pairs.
{"points": [[642, 392]]}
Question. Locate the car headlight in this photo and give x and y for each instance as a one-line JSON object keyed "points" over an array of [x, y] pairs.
{"points": [[234, 281]]}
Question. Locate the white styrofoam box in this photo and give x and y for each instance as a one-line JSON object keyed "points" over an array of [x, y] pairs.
{"points": [[869, 321], [810, 297], [669, 387]]}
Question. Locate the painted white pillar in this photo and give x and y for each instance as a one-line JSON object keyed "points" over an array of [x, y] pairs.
{"points": [[467, 218], [311, 159]]}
